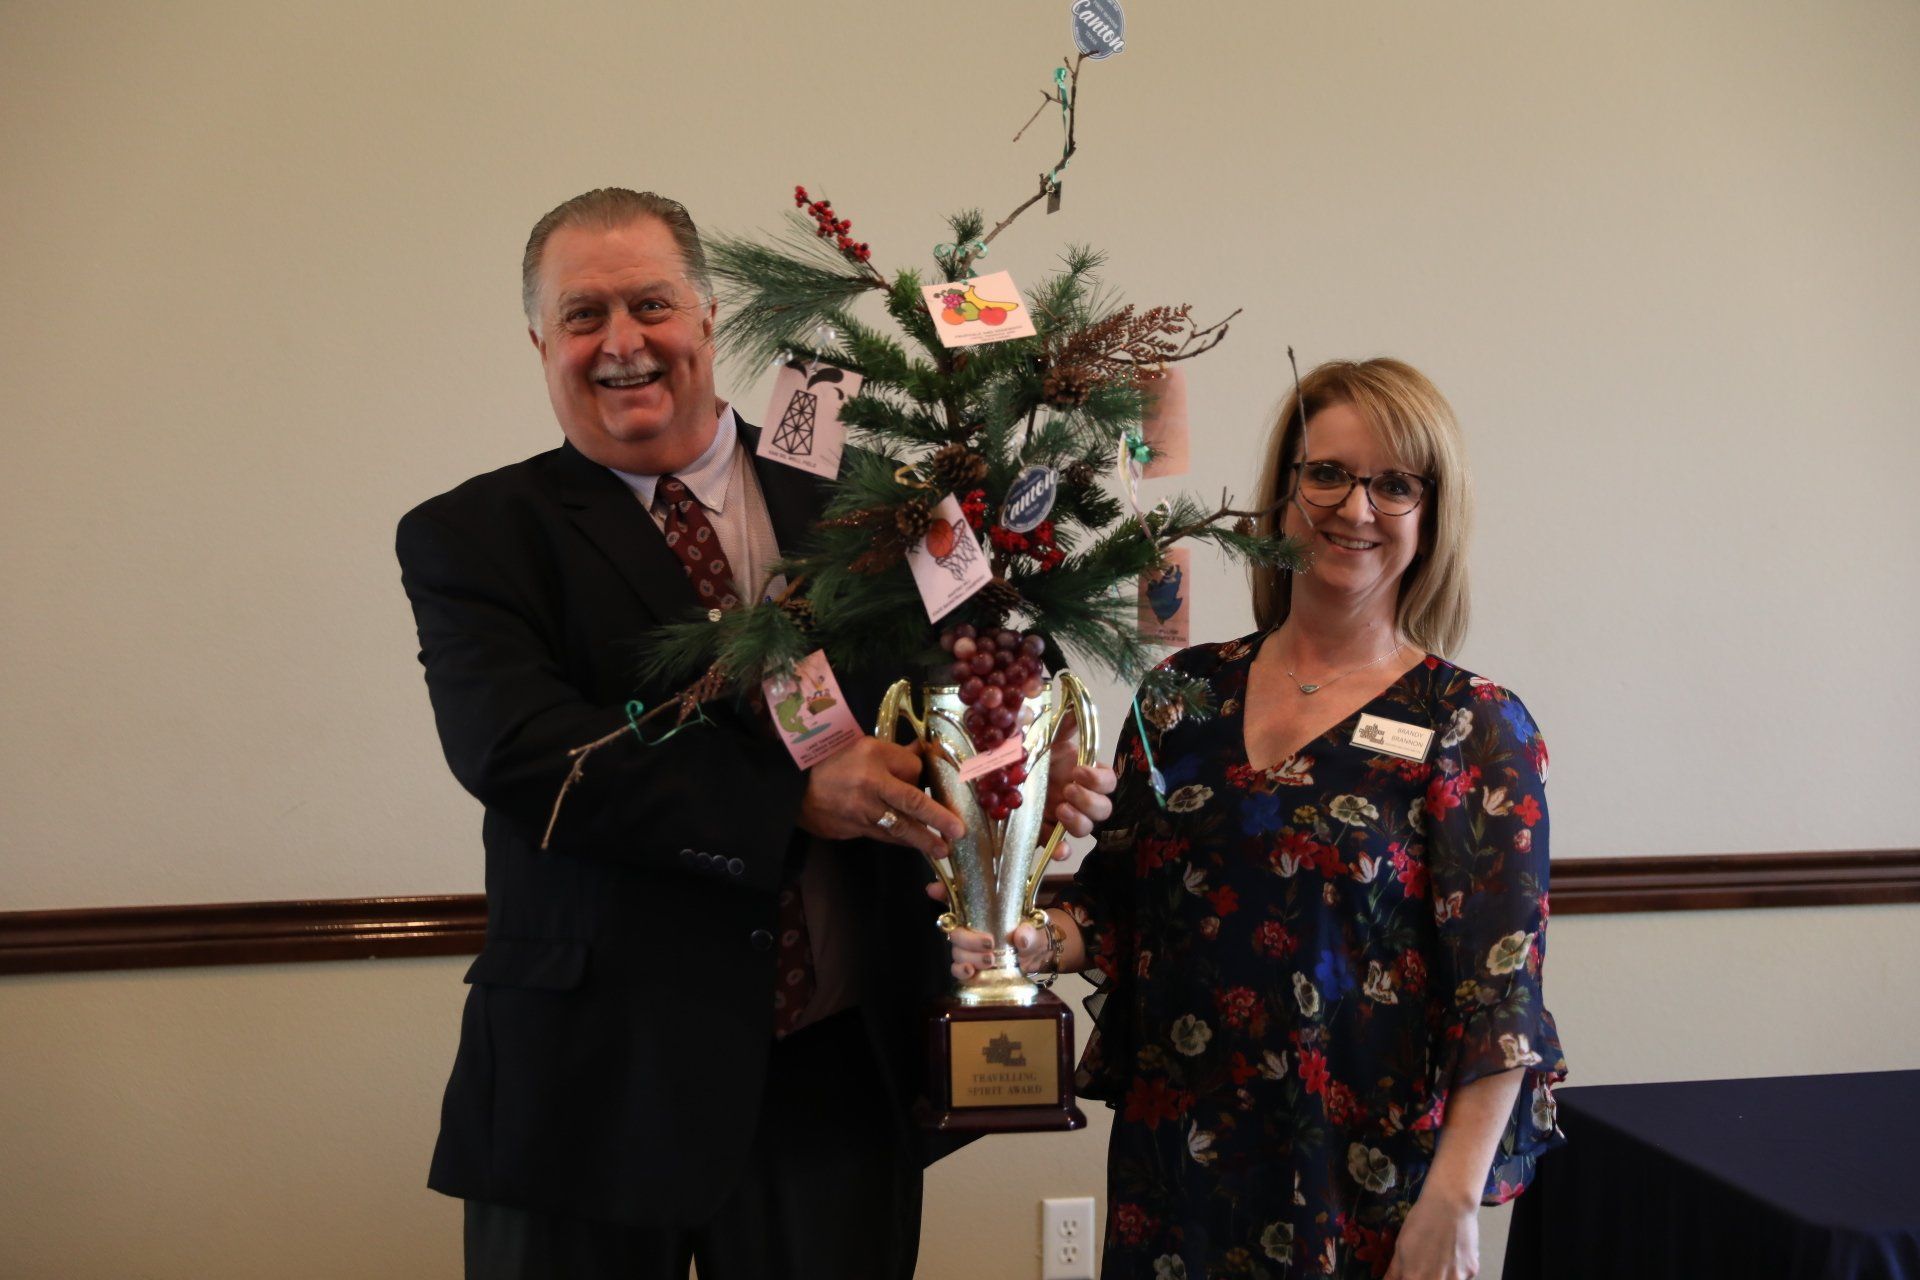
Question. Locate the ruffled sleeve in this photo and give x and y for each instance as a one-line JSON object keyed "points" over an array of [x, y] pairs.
{"points": [[1486, 819]]}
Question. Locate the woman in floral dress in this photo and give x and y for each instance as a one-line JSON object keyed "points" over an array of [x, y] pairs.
{"points": [[1317, 946]]}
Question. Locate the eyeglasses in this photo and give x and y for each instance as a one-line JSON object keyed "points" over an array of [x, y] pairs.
{"points": [[1391, 493]]}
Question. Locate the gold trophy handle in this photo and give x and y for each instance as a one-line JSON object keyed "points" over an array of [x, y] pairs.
{"points": [[1087, 721], [895, 706]]}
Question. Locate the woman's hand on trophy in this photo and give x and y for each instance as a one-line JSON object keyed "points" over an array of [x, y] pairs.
{"points": [[872, 790], [1032, 946], [1077, 793], [972, 951]]}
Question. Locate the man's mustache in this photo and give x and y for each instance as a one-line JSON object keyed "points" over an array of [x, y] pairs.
{"points": [[626, 369]]}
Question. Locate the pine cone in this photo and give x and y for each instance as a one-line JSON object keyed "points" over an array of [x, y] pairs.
{"points": [[800, 610], [1069, 386], [998, 599], [1244, 526], [1162, 713], [913, 520], [957, 468], [1081, 474]]}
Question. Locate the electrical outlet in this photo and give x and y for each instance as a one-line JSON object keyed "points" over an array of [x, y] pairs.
{"points": [[1066, 1239]]}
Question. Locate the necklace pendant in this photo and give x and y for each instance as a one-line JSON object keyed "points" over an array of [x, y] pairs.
{"points": [[1309, 688]]}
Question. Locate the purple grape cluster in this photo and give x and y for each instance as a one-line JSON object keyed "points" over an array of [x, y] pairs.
{"points": [[995, 672]]}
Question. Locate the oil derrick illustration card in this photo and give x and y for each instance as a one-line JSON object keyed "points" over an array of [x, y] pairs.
{"points": [[802, 426], [969, 313]]}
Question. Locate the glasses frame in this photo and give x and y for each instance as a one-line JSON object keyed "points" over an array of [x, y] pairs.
{"points": [[1366, 487]]}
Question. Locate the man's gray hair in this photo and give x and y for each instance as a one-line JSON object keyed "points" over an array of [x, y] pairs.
{"points": [[612, 207]]}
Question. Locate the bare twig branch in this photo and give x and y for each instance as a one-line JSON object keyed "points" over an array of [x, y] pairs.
{"points": [[1169, 536], [579, 754], [712, 683], [1049, 182], [1046, 100]]}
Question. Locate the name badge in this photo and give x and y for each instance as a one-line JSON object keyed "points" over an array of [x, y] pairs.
{"points": [[1390, 737]]}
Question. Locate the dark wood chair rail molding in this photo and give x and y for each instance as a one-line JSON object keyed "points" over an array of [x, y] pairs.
{"points": [[455, 924]]}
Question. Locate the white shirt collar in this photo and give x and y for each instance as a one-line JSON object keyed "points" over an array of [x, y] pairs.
{"points": [[707, 477]]}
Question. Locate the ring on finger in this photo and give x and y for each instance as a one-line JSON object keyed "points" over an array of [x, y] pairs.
{"points": [[887, 820]]}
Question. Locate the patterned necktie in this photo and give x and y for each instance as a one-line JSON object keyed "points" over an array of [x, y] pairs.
{"points": [[692, 538]]}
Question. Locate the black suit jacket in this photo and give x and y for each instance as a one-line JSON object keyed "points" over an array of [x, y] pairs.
{"points": [[615, 1039]]}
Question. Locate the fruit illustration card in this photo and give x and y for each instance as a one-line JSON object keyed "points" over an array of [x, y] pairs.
{"points": [[802, 427], [809, 711], [1164, 425], [968, 313], [1164, 599], [948, 564]]}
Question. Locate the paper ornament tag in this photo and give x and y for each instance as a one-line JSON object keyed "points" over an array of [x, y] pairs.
{"points": [[1164, 425], [948, 563], [1012, 751], [809, 711], [970, 313], [1099, 28], [1164, 599], [1029, 499], [802, 427]]}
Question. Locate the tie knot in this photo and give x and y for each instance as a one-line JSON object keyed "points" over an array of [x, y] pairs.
{"points": [[675, 490]]}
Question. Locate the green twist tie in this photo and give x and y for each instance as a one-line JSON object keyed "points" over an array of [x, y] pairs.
{"points": [[1064, 94], [1153, 770], [951, 252], [637, 708]]}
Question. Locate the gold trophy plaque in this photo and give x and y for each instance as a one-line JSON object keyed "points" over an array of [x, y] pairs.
{"points": [[1001, 1047]]}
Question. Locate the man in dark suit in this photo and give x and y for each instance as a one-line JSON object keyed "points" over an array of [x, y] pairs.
{"points": [[636, 1086]]}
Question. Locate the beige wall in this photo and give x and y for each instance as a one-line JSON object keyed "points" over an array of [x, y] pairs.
{"points": [[259, 267]]}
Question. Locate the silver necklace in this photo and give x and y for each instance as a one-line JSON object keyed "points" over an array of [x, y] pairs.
{"points": [[1315, 688]]}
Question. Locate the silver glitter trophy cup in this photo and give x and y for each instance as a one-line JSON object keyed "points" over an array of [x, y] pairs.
{"points": [[1001, 1047]]}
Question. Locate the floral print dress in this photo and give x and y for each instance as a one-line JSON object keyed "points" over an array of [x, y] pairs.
{"points": [[1296, 964]]}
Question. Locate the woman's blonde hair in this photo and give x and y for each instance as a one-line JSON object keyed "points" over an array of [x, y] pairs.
{"points": [[1417, 425]]}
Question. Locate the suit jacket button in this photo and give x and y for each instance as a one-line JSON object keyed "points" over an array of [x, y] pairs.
{"points": [[761, 939], [735, 867]]}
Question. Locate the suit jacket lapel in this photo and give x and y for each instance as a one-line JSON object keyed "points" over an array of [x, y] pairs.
{"points": [[607, 512]]}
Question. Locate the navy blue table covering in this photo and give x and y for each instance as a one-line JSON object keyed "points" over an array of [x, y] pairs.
{"points": [[1795, 1177]]}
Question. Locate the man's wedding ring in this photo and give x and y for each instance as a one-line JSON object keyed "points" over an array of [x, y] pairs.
{"points": [[887, 821]]}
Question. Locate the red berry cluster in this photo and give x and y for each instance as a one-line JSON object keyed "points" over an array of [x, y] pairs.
{"points": [[995, 671], [1038, 544], [974, 508], [826, 224]]}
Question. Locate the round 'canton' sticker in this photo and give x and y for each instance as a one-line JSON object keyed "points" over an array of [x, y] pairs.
{"points": [[1099, 28], [1029, 499]]}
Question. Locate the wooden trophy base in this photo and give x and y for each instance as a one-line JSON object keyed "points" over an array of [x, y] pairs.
{"points": [[1001, 1068]]}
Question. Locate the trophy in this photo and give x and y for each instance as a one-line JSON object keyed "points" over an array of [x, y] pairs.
{"points": [[1001, 1048]]}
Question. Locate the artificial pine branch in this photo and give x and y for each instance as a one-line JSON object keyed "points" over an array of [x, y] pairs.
{"points": [[774, 298]]}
